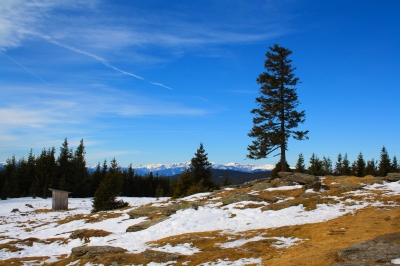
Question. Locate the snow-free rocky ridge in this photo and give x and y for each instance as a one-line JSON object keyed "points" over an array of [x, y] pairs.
{"points": [[292, 220]]}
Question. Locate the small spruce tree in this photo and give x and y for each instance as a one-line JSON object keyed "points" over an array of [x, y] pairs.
{"points": [[370, 168], [200, 168], [326, 165], [384, 163], [300, 167], [185, 181], [338, 165], [360, 166], [105, 197], [316, 166], [346, 168], [395, 165]]}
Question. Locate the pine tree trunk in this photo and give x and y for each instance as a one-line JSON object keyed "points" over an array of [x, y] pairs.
{"points": [[283, 143], [283, 158]]}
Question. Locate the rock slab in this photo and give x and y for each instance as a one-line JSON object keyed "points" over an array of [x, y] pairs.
{"points": [[289, 178], [159, 255], [379, 251], [95, 251], [393, 177]]}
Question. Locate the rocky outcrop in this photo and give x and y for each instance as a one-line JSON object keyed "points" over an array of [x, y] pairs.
{"points": [[238, 197], [144, 211], [173, 208], [144, 225], [95, 251], [291, 178], [379, 251], [392, 177], [157, 211], [346, 186], [159, 255]]}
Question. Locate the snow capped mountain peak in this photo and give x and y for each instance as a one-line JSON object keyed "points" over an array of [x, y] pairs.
{"points": [[177, 168]]}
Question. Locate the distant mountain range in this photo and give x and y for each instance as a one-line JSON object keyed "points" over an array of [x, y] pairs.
{"points": [[178, 168], [237, 173]]}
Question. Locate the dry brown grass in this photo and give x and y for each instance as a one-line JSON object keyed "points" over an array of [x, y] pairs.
{"points": [[88, 233], [276, 195], [43, 210], [90, 218]]}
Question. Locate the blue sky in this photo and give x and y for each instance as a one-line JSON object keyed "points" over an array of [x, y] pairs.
{"points": [[147, 81]]}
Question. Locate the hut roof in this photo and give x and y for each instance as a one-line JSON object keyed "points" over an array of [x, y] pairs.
{"points": [[52, 189]]}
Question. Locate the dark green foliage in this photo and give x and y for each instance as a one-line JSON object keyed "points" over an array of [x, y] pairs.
{"points": [[277, 169], [34, 177], [13, 183], [201, 168], [360, 166], [65, 167], [45, 174], [384, 166], [316, 166], [185, 182], [395, 165], [80, 178], [159, 191], [300, 167], [95, 179], [338, 165], [370, 168], [105, 197], [198, 178], [276, 115], [135, 185], [128, 188], [326, 166], [226, 181], [346, 168], [3, 184]]}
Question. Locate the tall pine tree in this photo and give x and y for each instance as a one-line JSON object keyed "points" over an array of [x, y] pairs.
{"points": [[276, 115], [64, 165], [80, 176]]}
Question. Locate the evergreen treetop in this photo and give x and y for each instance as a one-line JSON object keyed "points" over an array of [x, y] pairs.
{"points": [[384, 164], [200, 168], [300, 167]]}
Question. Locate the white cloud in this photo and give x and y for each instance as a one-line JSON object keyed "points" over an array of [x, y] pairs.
{"points": [[88, 27], [24, 117], [19, 19]]}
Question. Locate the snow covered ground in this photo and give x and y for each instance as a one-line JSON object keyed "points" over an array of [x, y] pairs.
{"points": [[40, 223]]}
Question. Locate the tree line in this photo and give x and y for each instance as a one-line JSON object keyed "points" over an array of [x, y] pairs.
{"points": [[343, 166], [36, 174]]}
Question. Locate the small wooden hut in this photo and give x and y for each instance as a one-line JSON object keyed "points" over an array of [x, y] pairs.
{"points": [[60, 199]]}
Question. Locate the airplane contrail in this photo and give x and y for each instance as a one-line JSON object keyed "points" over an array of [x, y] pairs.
{"points": [[25, 68], [103, 61]]}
